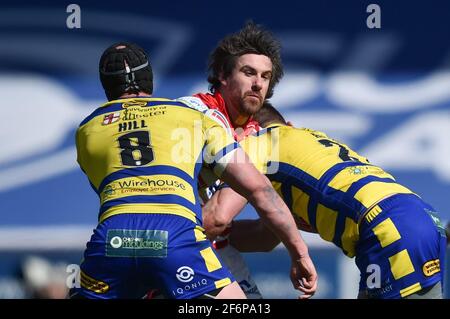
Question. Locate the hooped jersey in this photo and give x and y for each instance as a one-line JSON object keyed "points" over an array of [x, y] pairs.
{"points": [[143, 155], [322, 181]]}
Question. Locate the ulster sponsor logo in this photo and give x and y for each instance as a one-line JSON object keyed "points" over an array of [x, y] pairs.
{"points": [[135, 113], [431, 267]]}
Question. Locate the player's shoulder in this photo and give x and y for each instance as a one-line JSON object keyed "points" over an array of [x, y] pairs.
{"points": [[193, 102], [213, 114], [310, 132]]}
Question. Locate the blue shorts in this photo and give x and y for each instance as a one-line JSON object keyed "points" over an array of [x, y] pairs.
{"points": [[401, 249], [129, 254]]}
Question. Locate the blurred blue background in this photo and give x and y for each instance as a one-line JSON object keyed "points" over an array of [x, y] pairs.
{"points": [[385, 92]]}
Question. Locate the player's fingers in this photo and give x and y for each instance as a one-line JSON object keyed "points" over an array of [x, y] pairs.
{"points": [[296, 283], [307, 290], [312, 284], [304, 296], [306, 283]]}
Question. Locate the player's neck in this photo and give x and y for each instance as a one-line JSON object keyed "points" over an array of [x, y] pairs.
{"points": [[129, 95], [237, 118]]}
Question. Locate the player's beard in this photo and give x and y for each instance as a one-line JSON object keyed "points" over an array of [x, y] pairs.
{"points": [[249, 106]]}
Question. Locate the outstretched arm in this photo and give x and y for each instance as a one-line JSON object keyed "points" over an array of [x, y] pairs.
{"points": [[248, 235], [244, 178]]}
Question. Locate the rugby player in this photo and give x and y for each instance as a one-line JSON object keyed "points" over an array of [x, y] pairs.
{"points": [[150, 231], [244, 69], [396, 238]]}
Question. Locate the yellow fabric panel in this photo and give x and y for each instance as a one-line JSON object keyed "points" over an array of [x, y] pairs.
{"points": [[153, 208], [350, 237], [211, 261], [314, 158], [148, 185], [373, 192], [349, 175], [216, 138], [222, 283], [386, 232], [300, 202], [199, 233], [401, 264], [326, 222], [258, 150], [410, 290]]}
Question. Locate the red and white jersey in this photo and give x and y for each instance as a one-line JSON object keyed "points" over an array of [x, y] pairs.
{"points": [[215, 101]]}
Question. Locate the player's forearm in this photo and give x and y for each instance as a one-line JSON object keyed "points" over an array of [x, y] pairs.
{"points": [[220, 210], [276, 215], [245, 179]]}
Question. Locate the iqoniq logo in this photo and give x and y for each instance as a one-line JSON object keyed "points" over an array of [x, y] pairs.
{"points": [[185, 274]]}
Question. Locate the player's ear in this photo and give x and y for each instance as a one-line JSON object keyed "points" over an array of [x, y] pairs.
{"points": [[289, 123], [222, 79]]}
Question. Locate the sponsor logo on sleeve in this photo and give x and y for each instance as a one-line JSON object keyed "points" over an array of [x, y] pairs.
{"points": [[431, 267]]}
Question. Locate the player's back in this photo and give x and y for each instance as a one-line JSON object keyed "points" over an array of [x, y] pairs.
{"points": [[322, 181], [144, 154]]}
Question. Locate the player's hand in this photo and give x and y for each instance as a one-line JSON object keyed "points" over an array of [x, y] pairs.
{"points": [[304, 276]]}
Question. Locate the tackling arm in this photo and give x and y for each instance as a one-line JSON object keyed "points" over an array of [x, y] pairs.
{"points": [[243, 177]]}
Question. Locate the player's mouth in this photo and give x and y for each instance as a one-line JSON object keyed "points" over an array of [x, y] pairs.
{"points": [[254, 95]]}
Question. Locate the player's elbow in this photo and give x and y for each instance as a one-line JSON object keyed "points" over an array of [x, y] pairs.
{"points": [[221, 221]]}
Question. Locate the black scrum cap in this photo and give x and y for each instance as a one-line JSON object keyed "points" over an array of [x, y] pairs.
{"points": [[124, 68]]}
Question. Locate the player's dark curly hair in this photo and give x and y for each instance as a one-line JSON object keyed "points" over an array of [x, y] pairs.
{"points": [[251, 38]]}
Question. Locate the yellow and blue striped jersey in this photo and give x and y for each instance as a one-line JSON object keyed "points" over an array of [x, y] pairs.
{"points": [[321, 180], [143, 155]]}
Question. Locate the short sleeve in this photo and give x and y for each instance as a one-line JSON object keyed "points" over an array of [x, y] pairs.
{"points": [[219, 145]]}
